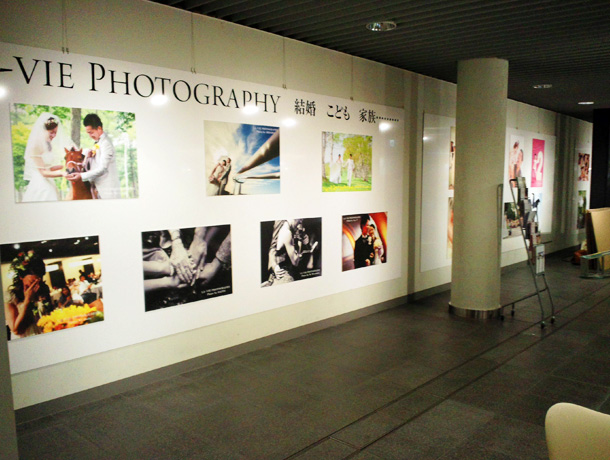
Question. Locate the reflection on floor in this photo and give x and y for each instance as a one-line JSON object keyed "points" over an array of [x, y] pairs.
{"points": [[410, 382]]}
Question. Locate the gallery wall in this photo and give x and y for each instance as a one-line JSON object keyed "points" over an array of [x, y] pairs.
{"points": [[172, 172], [437, 98], [202, 45]]}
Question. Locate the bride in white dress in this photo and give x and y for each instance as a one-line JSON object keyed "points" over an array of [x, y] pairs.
{"points": [[39, 158], [335, 171]]}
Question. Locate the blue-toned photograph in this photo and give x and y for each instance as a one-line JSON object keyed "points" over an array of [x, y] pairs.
{"points": [[241, 159]]}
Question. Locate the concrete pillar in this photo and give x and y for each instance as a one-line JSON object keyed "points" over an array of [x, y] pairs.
{"points": [[479, 169], [8, 432]]}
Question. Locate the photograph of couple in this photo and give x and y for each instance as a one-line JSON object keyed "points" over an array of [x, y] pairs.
{"points": [[537, 162], [185, 265], [241, 159], [291, 250], [515, 158], [583, 166], [364, 241], [62, 154], [347, 161], [51, 285]]}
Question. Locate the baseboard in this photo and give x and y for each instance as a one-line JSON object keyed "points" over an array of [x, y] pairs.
{"points": [[48, 408]]}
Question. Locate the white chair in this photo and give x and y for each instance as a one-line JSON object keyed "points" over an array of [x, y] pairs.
{"points": [[577, 433]]}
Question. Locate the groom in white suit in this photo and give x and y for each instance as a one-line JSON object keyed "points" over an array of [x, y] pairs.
{"points": [[103, 171]]}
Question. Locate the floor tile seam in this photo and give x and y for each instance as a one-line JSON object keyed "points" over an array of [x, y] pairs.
{"points": [[319, 442], [448, 396], [85, 437], [576, 302], [580, 382], [605, 285], [409, 393]]}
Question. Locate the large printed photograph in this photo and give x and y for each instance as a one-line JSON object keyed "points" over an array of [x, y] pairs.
{"points": [[516, 158], [537, 162], [63, 153], [51, 285], [347, 162], [186, 265], [512, 221], [241, 159], [582, 209], [291, 250], [365, 240], [583, 166]]}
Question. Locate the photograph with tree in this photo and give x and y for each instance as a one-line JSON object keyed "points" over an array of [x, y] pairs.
{"points": [[347, 162], [68, 153]]}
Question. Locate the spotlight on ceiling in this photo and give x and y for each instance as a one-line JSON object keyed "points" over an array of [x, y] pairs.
{"points": [[543, 86], [381, 26], [586, 103]]}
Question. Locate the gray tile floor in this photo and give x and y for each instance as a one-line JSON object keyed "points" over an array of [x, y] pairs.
{"points": [[412, 382]]}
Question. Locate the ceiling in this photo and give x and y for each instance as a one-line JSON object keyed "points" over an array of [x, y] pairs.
{"points": [[565, 43]]}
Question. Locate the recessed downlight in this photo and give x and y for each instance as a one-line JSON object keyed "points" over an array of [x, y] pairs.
{"points": [[543, 86], [381, 26]]}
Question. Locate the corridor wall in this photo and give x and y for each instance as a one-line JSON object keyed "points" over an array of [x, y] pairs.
{"points": [[171, 39]]}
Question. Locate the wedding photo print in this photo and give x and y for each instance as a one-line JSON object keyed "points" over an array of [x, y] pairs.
{"points": [[364, 241], [347, 162], [63, 153], [186, 265], [512, 221], [51, 285], [241, 159], [291, 250], [583, 166]]}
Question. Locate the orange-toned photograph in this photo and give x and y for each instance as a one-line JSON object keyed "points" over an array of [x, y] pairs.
{"points": [[51, 285], [364, 240]]}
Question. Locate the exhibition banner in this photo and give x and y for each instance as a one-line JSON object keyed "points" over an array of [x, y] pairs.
{"points": [[139, 156], [535, 165]]}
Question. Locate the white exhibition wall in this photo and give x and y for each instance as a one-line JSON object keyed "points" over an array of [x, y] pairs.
{"points": [[172, 180], [437, 191], [171, 164]]}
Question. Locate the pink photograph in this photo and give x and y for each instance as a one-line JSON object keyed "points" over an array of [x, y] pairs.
{"points": [[537, 162]]}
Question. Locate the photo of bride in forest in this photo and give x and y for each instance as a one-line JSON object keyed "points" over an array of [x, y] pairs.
{"points": [[347, 162], [63, 153]]}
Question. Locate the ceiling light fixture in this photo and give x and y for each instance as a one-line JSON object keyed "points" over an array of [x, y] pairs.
{"points": [[543, 86], [586, 103], [381, 26]]}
